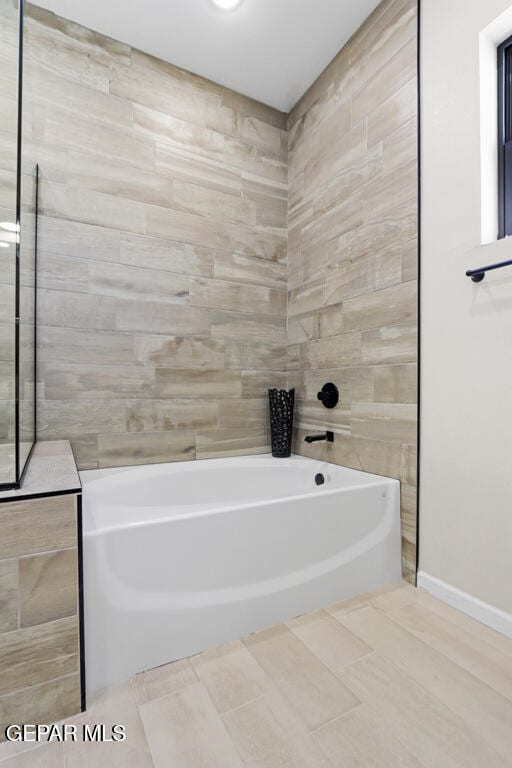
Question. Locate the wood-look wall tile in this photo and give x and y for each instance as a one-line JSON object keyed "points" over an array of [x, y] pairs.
{"points": [[132, 283], [354, 384], [307, 298], [293, 357], [388, 267], [400, 154], [63, 129], [392, 422], [409, 460], [163, 415], [394, 344], [88, 207], [48, 585], [387, 29], [376, 456], [358, 171], [264, 190], [160, 85], [89, 49], [61, 273], [400, 107], [230, 296], [242, 355], [46, 524], [53, 90], [260, 133], [8, 595], [149, 317], [244, 413], [311, 414], [395, 72], [247, 269], [100, 382], [255, 384], [7, 304], [33, 655], [379, 234], [164, 254], [232, 442], [349, 279], [410, 260], [253, 159], [395, 189], [212, 204], [304, 327], [395, 383], [247, 106], [78, 240], [85, 451], [278, 303], [186, 227], [67, 419], [60, 696], [60, 344], [175, 132], [408, 512], [145, 448], [253, 327], [119, 179], [173, 383], [320, 169], [179, 351], [331, 321], [189, 228], [180, 165], [336, 351], [342, 218], [390, 306]]}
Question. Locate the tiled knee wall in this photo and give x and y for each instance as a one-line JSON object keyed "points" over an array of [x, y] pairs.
{"points": [[39, 635]]}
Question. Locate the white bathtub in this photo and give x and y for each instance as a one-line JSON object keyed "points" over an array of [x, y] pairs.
{"points": [[181, 557]]}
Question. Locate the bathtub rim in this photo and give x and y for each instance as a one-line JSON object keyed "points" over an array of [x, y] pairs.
{"points": [[206, 509]]}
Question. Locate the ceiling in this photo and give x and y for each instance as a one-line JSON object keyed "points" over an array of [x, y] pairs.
{"points": [[271, 50]]}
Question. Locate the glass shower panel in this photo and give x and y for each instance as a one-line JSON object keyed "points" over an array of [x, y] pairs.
{"points": [[9, 215], [27, 262]]}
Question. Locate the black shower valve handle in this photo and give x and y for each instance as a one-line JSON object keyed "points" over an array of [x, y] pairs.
{"points": [[329, 395]]}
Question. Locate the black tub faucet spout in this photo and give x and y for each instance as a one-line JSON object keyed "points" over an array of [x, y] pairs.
{"points": [[328, 436]]}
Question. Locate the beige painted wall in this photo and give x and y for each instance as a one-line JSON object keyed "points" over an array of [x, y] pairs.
{"points": [[162, 259], [352, 255], [466, 482]]}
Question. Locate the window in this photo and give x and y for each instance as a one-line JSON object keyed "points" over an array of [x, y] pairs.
{"points": [[505, 138]]}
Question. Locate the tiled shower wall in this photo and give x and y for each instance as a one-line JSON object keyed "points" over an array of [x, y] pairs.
{"points": [[352, 255], [162, 264]]}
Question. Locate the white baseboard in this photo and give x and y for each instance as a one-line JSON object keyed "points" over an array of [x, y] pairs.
{"points": [[462, 601]]}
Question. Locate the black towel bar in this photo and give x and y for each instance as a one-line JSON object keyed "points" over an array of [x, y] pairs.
{"points": [[477, 275]]}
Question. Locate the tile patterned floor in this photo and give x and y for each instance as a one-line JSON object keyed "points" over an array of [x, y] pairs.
{"points": [[391, 679]]}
